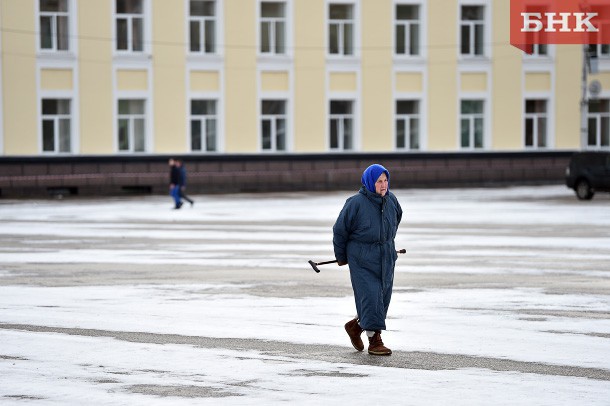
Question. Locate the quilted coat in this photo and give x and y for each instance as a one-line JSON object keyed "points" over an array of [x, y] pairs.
{"points": [[363, 236]]}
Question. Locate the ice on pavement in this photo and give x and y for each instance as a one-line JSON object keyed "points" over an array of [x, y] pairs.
{"points": [[445, 231]]}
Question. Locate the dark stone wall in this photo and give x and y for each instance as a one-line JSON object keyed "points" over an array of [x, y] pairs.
{"points": [[120, 175]]}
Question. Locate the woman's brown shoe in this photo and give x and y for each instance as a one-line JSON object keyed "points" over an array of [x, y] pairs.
{"points": [[376, 346], [354, 331]]}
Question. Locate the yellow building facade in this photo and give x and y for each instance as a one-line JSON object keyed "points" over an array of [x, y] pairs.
{"points": [[111, 77]]}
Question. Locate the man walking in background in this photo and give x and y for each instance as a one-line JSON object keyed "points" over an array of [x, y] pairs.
{"points": [[182, 182], [174, 183]]}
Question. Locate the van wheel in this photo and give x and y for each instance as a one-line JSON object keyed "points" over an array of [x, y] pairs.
{"points": [[583, 190]]}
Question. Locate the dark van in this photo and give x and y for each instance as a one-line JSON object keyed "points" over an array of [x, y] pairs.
{"points": [[589, 172]]}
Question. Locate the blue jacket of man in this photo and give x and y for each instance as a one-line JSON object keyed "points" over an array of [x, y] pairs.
{"points": [[363, 236]]}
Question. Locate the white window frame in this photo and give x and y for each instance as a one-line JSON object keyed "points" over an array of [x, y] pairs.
{"points": [[534, 117], [72, 31], [407, 23], [342, 23], [146, 30], [272, 23], [487, 28], [406, 118], [203, 120], [203, 21], [54, 16], [341, 129], [273, 119], [597, 117], [471, 117], [56, 118], [131, 119]]}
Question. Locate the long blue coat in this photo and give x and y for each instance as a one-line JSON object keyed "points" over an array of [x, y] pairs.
{"points": [[363, 236]]}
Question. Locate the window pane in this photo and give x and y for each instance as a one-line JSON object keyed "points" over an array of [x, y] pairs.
{"points": [[129, 6], [340, 12], [274, 107], [400, 39], [333, 39], [48, 135], [63, 106], [465, 133], [478, 133], [605, 132], [195, 135], [195, 36], [139, 135], [210, 37], [472, 13], [535, 106], [280, 47], [46, 33], [334, 133], [62, 33], [265, 37], [272, 9], [64, 135], [138, 34], [414, 133], [49, 106], [123, 135], [123, 106], [280, 142], [202, 8], [465, 40], [400, 133], [203, 107], [348, 34], [407, 107], [407, 12], [121, 34], [210, 126], [414, 39], [54, 5], [347, 133], [479, 40], [131, 107], [340, 107], [529, 132], [266, 134], [541, 132]]}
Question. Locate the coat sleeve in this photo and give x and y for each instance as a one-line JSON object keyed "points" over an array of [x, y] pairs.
{"points": [[342, 231], [398, 213]]}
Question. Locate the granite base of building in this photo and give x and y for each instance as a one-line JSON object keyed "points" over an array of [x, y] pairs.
{"points": [[149, 174]]}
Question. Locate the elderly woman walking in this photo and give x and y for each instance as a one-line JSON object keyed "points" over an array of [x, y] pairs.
{"points": [[363, 237]]}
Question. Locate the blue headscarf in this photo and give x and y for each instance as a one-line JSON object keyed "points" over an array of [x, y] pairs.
{"points": [[371, 174]]}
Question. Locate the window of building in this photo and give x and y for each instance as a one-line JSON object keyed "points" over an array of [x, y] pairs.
{"points": [[539, 50], [599, 123], [54, 26], [132, 125], [536, 123], [341, 125], [408, 29], [472, 123], [130, 25], [273, 125], [203, 125], [56, 128], [472, 31], [599, 50], [202, 21], [341, 29], [407, 124], [273, 28]]}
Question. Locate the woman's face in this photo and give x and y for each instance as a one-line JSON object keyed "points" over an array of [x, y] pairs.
{"points": [[381, 186]]}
